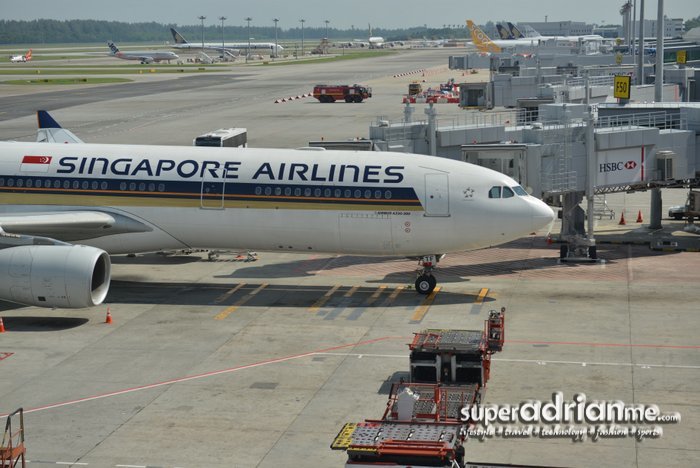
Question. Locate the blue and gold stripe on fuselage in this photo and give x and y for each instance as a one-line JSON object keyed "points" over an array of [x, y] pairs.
{"points": [[70, 191]]}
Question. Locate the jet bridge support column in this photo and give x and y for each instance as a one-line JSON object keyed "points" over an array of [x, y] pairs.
{"points": [[431, 112], [408, 112], [590, 177], [655, 211]]}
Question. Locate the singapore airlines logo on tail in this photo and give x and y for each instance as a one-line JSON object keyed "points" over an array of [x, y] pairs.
{"points": [[481, 40]]}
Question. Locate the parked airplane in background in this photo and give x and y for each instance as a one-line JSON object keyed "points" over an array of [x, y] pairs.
{"points": [[232, 48], [487, 45], [65, 208], [143, 55], [21, 58], [504, 33], [375, 42], [514, 31]]}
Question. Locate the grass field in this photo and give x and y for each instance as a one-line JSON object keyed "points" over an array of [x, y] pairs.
{"points": [[107, 70], [66, 81]]}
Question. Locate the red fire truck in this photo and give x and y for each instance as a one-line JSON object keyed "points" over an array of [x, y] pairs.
{"points": [[332, 93]]}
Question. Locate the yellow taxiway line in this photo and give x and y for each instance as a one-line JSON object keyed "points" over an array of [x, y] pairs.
{"points": [[231, 309]]}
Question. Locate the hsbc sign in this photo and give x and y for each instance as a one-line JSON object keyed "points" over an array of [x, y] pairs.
{"points": [[622, 166], [618, 166]]}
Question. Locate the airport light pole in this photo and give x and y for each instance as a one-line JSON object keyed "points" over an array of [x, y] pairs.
{"points": [[326, 21], [202, 18], [275, 52], [248, 19], [640, 45], [302, 21], [223, 49]]}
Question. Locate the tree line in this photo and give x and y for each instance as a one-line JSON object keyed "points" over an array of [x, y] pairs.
{"points": [[692, 23], [48, 31]]}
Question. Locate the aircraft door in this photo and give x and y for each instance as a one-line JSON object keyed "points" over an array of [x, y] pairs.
{"points": [[213, 189], [437, 195]]}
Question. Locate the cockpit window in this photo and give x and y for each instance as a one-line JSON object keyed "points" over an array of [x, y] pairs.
{"points": [[520, 191], [495, 192], [507, 192]]}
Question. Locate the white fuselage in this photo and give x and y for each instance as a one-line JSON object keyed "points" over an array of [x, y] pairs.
{"points": [[147, 57], [269, 199], [233, 47]]}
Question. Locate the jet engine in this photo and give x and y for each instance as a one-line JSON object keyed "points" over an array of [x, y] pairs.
{"points": [[60, 276]]}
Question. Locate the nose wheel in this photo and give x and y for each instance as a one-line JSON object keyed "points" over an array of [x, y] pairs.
{"points": [[426, 282]]}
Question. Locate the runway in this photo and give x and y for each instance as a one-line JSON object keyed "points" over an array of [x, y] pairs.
{"points": [[27, 105]]}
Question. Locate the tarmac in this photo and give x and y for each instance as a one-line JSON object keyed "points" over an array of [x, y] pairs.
{"points": [[259, 364]]}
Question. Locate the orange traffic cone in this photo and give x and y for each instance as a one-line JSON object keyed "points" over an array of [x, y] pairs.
{"points": [[639, 217], [108, 320], [622, 219], [2, 326]]}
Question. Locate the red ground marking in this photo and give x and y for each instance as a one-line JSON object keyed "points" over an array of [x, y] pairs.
{"points": [[5, 355], [201, 376], [612, 345]]}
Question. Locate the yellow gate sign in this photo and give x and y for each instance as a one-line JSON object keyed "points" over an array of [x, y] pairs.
{"points": [[622, 86], [681, 56]]}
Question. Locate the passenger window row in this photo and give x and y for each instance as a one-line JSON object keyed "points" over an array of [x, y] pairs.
{"points": [[76, 184], [326, 193]]}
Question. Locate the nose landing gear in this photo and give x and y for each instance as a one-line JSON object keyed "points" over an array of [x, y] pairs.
{"points": [[426, 282]]}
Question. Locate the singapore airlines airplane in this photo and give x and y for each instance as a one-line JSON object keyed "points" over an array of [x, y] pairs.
{"points": [[231, 47], [487, 45], [65, 207]]}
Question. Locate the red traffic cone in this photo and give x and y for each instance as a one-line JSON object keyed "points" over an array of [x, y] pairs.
{"points": [[108, 320], [622, 219], [2, 326], [639, 217]]}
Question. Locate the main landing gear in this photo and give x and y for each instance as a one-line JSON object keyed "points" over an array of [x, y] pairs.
{"points": [[426, 282]]}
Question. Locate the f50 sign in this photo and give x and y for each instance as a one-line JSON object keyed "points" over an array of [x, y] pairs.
{"points": [[622, 86]]}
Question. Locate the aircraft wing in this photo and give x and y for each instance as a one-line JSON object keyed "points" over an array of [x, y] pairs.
{"points": [[69, 225]]}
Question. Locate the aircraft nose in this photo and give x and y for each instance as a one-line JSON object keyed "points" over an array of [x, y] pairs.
{"points": [[542, 216]]}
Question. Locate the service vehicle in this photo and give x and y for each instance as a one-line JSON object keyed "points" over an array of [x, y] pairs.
{"points": [[348, 93]]}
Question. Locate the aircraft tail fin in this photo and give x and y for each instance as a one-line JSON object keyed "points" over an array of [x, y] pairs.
{"points": [[177, 37], [44, 120], [51, 132], [503, 32], [530, 31], [28, 57], [481, 40], [515, 32], [112, 47]]}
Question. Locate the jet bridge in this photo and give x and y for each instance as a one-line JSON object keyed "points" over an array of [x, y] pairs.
{"points": [[557, 155]]}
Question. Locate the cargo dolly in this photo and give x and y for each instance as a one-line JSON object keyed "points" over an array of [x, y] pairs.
{"points": [[422, 425]]}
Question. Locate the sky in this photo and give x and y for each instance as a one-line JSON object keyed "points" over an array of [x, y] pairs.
{"points": [[342, 14]]}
